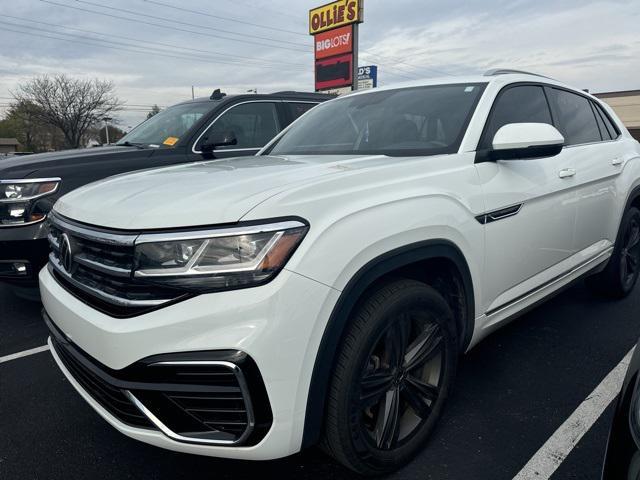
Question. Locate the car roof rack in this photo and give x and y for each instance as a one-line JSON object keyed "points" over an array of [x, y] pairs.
{"points": [[294, 93], [506, 71]]}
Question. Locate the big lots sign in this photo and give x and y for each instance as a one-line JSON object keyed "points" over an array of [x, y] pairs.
{"points": [[334, 42]]}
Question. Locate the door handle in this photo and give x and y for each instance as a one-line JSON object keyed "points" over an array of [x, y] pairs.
{"points": [[616, 161], [567, 172]]}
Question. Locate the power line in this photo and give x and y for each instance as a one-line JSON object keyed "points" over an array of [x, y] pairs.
{"points": [[57, 25], [126, 105], [90, 43], [188, 24], [266, 9], [169, 27], [385, 60], [224, 18]]}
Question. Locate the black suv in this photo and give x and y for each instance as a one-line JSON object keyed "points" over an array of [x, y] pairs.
{"points": [[205, 128]]}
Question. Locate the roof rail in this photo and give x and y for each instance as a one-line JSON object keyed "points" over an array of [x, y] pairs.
{"points": [[293, 92], [505, 71]]}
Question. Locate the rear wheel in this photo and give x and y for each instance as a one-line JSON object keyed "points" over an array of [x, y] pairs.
{"points": [[394, 372], [621, 273]]}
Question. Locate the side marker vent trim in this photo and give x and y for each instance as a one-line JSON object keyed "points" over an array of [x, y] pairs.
{"points": [[499, 214]]}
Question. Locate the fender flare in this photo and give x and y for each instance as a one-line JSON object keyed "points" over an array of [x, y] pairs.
{"points": [[632, 197], [338, 320]]}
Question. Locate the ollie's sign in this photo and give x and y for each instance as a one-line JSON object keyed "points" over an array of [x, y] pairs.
{"points": [[334, 27], [334, 15], [334, 42]]}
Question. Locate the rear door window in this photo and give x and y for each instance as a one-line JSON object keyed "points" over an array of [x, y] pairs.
{"points": [[574, 116], [297, 109], [253, 123], [519, 104]]}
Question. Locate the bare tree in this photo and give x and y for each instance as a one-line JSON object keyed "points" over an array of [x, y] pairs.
{"points": [[70, 104]]}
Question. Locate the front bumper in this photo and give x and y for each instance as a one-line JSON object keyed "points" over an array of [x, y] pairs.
{"points": [[278, 325]]}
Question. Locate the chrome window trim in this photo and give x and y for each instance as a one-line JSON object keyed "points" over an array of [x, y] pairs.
{"points": [[186, 439], [199, 152], [55, 180], [219, 232]]}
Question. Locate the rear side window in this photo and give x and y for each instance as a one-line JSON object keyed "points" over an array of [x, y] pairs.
{"points": [[254, 124], [609, 126], [574, 116], [520, 104], [298, 109], [604, 132]]}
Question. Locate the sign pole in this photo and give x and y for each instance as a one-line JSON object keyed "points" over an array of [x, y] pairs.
{"points": [[354, 74]]}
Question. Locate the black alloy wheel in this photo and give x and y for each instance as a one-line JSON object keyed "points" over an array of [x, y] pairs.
{"points": [[401, 380], [621, 273], [630, 253], [393, 374]]}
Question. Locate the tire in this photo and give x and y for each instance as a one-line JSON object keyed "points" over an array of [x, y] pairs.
{"points": [[399, 354], [621, 273]]}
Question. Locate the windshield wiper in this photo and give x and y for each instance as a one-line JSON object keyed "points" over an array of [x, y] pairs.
{"points": [[129, 144]]}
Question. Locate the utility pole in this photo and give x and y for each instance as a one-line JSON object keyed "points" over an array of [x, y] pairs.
{"points": [[106, 127], [193, 93]]}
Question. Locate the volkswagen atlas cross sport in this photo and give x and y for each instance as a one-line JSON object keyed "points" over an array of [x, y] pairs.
{"points": [[322, 291], [218, 126]]}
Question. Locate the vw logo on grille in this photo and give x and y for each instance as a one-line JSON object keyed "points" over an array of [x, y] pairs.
{"points": [[66, 256]]}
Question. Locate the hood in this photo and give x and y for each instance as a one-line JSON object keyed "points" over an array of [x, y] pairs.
{"points": [[198, 194], [24, 166]]}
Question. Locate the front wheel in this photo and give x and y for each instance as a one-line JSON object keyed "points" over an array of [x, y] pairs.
{"points": [[621, 273], [393, 375]]}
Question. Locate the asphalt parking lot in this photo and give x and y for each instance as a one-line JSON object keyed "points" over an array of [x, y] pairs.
{"points": [[513, 391]]}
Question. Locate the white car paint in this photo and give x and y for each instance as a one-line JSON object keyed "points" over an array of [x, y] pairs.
{"points": [[358, 207], [523, 135]]}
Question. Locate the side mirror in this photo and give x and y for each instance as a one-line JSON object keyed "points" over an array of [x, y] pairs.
{"points": [[518, 141], [218, 139]]}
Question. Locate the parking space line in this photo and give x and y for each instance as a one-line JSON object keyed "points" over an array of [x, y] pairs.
{"points": [[555, 450], [24, 353]]}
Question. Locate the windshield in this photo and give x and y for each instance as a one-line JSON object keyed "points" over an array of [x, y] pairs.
{"points": [[410, 121], [167, 127]]}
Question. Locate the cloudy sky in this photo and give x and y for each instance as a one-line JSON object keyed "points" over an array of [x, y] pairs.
{"points": [[155, 50]]}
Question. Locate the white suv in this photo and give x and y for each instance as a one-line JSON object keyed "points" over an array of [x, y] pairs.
{"points": [[322, 291]]}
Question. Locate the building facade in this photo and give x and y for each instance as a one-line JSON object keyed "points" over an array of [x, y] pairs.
{"points": [[8, 145], [626, 104]]}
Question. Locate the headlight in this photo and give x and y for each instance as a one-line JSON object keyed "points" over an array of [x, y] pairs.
{"points": [[18, 200], [217, 259]]}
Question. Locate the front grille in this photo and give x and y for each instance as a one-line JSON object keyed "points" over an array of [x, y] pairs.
{"points": [[97, 266], [108, 396]]}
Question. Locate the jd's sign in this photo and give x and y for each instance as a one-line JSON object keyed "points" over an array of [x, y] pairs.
{"points": [[334, 15]]}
